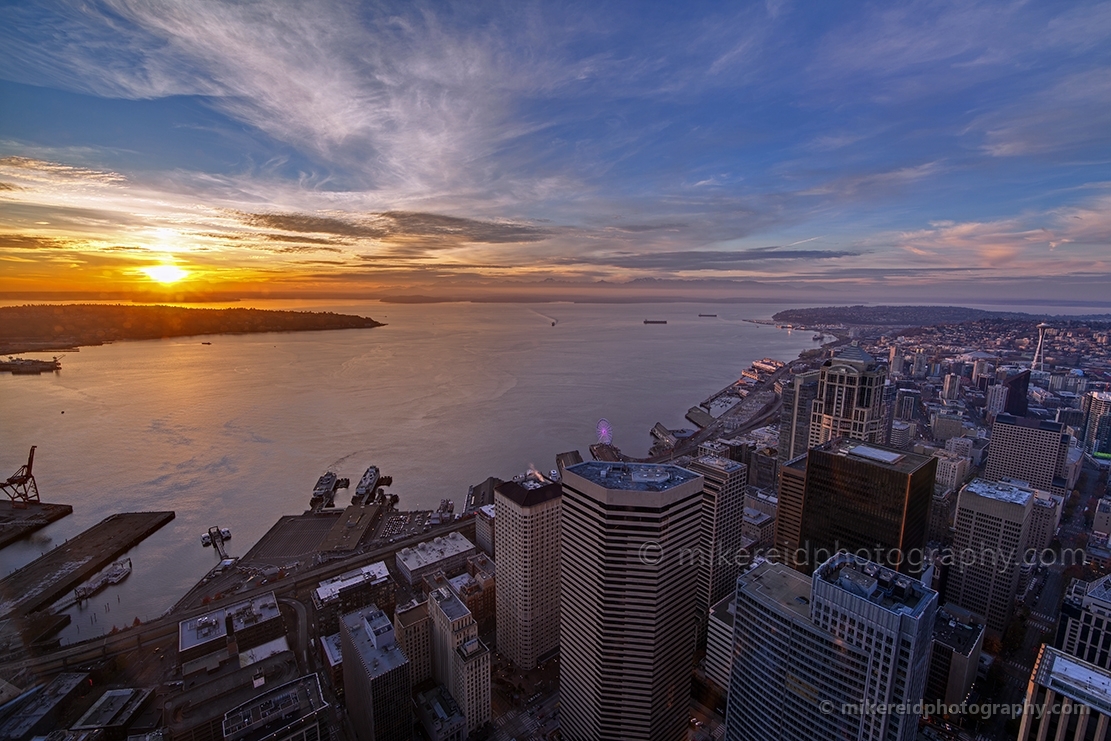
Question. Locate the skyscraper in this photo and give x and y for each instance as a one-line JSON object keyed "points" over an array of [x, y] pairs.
{"points": [[1030, 450], [1098, 406], [1018, 387], [854, 633], [952, 388], [375, 677], [788, 517], [528, 514], [460, 661], [996, 400], [794, 421], [861, 496], [723, 505], [907, 402], [992, 521], [849, 401], [627, 600]]}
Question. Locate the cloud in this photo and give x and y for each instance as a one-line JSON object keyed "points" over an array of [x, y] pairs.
{"points": [[704, 259]]}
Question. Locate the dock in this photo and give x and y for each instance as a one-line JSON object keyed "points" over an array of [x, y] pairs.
{"points": [[50, 577], [19, 522]]}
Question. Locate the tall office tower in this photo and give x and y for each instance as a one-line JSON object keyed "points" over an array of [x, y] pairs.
{"points": [[528, 570], [854, 633], [460, 661], [920, 367], [891, 353], [907, 402], [961, 446], [1084, 630], [955, 659], [850, 397], [1018, 386], [1029, 450], [788, 517], [993, 521], [952, 388], [901, 434], [996, 400], [413, 630], [979, 368], [626, 636], [723, 521], [375, 677], [1077, 695], [1098, 407], [1045, 518], [897, 365], [861, 496], [794, 421]]}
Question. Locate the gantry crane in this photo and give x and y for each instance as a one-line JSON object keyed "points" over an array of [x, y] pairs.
{"points": [[20, 486]]}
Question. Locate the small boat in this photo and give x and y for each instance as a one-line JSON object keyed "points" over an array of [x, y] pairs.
{"points": [[708, 315], [225, 534], [819, 337], [206, 343], [553, 324], [655, 321], [114, 575], [206, 540]]}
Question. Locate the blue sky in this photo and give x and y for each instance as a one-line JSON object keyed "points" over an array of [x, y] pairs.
{"points": [[939, 151]]}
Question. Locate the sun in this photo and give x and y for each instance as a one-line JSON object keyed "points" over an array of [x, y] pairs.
{"points": [[165, 273]]}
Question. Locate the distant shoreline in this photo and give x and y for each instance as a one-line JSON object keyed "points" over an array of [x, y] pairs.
{"points": [[66, 327]]}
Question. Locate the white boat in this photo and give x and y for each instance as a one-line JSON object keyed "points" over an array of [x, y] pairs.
{"points": [[114, 575]]}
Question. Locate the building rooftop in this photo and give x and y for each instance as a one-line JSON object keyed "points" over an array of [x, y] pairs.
{"points": [[201, 629], [779, 587], [271, 711], [330, 589], [35, 710], [855, 354], [1013, 492], [115, 708], [253, 611], [889, 458], [725, 610], [333, 650], [529, 492], [414, 612], [1032, 423], [439, 709], [879, 585], [433, 551], [471, 649], [719, 464], [1078, 680], [373, 637], [449, 604], [487, 510], [955, 635], [756, 517], [633, 476]]}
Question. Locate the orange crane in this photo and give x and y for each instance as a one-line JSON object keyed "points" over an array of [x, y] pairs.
{"points": [[20, 486]]}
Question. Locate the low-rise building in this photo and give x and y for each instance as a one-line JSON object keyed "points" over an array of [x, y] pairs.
{"points": [[295, 710], [448, 553], [367, 585]]}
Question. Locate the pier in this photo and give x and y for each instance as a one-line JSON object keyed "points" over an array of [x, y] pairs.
{"points": [[19, 522], [50, 577]]}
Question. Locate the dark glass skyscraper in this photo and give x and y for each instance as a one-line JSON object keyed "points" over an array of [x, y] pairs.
{"points": [[863, 497]]}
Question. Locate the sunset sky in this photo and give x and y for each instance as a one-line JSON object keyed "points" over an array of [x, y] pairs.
{"points": [[807, 151]]}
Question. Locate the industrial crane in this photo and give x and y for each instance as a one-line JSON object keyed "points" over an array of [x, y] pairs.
{"points": [[20, 486]]}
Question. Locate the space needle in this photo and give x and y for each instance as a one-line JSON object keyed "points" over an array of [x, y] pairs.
{"points": [[1039, 356]]}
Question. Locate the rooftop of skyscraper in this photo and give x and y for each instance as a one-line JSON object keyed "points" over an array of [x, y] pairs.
{"points": [[449, 604], [292, 701], [1033, 423], [955, 635], [373, 637], [633, 476], [1075, 679], [530, 491], [1014, 492], [720, 464], [879, 585], [890, 458], [779, 587]]}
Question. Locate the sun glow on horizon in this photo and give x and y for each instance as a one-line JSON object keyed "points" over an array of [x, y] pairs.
{"points": [[164, 273]]}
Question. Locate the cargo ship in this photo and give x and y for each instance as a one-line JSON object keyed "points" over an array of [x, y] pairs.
{"points": [[114, 575]]}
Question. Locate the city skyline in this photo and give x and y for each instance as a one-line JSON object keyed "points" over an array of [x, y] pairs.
{"points": [[756, 151]]}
